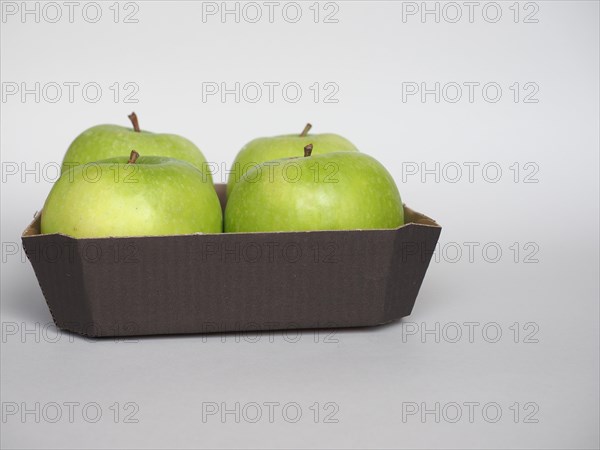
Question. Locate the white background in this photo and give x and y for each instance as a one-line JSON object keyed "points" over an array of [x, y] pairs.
{"points": [[372, 375]]}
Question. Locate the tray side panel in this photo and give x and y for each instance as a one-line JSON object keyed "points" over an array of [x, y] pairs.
{"points": [[413, 248], [235, 282], [58, 268]]}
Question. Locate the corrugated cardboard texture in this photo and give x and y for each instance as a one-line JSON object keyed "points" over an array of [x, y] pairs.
{"points": [[231, 282]]}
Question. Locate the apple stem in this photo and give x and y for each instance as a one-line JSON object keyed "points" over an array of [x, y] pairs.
{"points": [[308, 150], [306, 130], [134, 122], [133, 157]]}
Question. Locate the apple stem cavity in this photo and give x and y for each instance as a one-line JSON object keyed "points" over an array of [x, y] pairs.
{"points": [[133, 157], [306, 130], [308, 150], [134, 121]]}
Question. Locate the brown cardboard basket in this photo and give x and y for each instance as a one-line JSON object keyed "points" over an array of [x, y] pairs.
{"points": [[205, 283]]}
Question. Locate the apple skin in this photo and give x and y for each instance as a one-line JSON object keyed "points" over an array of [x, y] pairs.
{"points": [[110, 141], [351, 191], [271, 148], [155, 196]]}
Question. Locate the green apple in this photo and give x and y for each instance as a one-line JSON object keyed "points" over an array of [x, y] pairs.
{"points": [[145, 196], [270, 148], [333, 191], [109, 141]]}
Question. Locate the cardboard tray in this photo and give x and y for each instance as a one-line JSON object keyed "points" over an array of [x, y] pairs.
{"points": [[204, 283]]}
